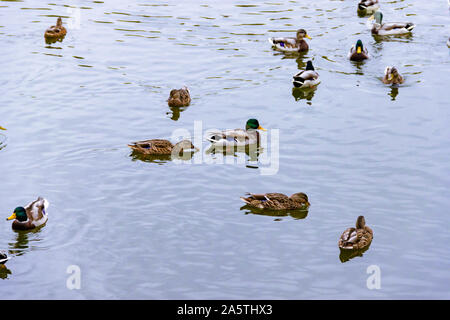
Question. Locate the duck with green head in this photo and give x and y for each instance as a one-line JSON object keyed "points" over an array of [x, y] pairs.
{"points": [[31, 216], [358, 52], [375, 23], [237, 137]]}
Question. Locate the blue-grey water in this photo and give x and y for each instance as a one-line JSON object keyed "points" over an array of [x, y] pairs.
{"points": [[163, 230]]}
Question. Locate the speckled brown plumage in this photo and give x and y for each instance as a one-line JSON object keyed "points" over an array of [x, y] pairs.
{"points": [[179, 98], [55, 32], [356, 238], [160, 147], [277, 201]]}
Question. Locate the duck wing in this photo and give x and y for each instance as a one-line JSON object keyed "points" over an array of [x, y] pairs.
{"points": [[36, 209]]}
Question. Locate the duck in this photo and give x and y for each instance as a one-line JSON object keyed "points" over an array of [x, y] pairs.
{"points": [[368, 6], [389, 28], [356, 238], [3, 257], [179, 97], [306, 78], [237, 137], [358, 52], [161, 147], [392, 76], [291, 44], [55, 32], [32, 216], [277, 201]]}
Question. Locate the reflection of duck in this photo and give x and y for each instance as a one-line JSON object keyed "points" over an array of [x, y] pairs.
{"points": [[368, 6], [388, 28], [356, 238], [358, 52], [306, 78], [346, 255], [179, 97], [290, 44], [161, 147], [237, 137], [306, 93], [30, 217], [392, 76], [277, 201], [393, 93], [4, 272], [295, 214], [55, 32], [176, 112]]}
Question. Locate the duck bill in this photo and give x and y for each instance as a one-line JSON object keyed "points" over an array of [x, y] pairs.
{"points": [[1, 128], [358, 50], [261, 128], [391, 77], [372, 17], [12, 217], [308, 37]]}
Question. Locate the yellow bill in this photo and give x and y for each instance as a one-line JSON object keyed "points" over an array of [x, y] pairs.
{"points": [[391, 76], [12, 217], [1, 128], [261, 128], [358, 50], [308, 36], [372, 17]]}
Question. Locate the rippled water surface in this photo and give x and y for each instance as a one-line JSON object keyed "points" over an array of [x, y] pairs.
{"points": [[158, 229]]}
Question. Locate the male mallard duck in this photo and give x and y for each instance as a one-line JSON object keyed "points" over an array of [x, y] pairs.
{"points": [[55, 32], [368, 6], [161, 147], [292, 44], [179, 97], [389, 28], [391, 76], [3, 257], [30, 217], [358, 52], [237, 137], [356, 238], [277, 201], [306, 78]]}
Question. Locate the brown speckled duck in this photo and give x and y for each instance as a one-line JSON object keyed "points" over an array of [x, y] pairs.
{"points": [[55, 32], [161, 147], [277, 201], [179, 97], [356, 238], [30, 217], [290, 44], [392, 76]]}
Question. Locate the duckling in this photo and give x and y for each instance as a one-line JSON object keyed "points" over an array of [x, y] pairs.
{"points": [[358, 52], [306, 78], [161, 147], [237, 137], [356, 238], [392, 76], [55, 32], [277, 201], [179, 97], [368, 6], [30, 217], [290, 44], [386, 29]]}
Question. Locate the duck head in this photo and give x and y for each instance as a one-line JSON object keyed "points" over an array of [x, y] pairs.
{"points": [[301, 33], [377, 16], [360, 222], [359, 46], [19, 214], [391, 74], [253, 124], [300, 197], [184, 145]]}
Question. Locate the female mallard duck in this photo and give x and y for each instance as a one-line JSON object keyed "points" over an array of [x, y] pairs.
{"points": [[356, 238], [389, 28], [306, 78], [237, 137], [30, 217], [392, 76], [358, 52], [291, 44], [161, 147], [3, 257], [55, 32], [277, 201], [179, 97], [368, 6]]}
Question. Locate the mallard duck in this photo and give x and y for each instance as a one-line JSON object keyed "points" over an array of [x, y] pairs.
{"points": [[55, 32], [358, 52], [3, 257], [368, 6], [277, 201], [391, 76], [291, 44], [237, 137], [179, 97], [306, 78], [161, 147], [356, 238], [388, 28], [30, 217]]}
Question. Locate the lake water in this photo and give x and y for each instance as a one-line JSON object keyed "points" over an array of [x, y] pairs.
{"points": [[158, 229]]}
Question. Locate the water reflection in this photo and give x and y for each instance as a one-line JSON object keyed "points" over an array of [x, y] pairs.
{"points": [[253, 151], [295, 214], [4, 272], [176, 111], [408, 37], [393, 93], [346, 255], [160, 158], [304, 93]]}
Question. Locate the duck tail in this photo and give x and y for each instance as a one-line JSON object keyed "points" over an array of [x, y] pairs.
{"points": [[245, 200], [410, 26]]}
